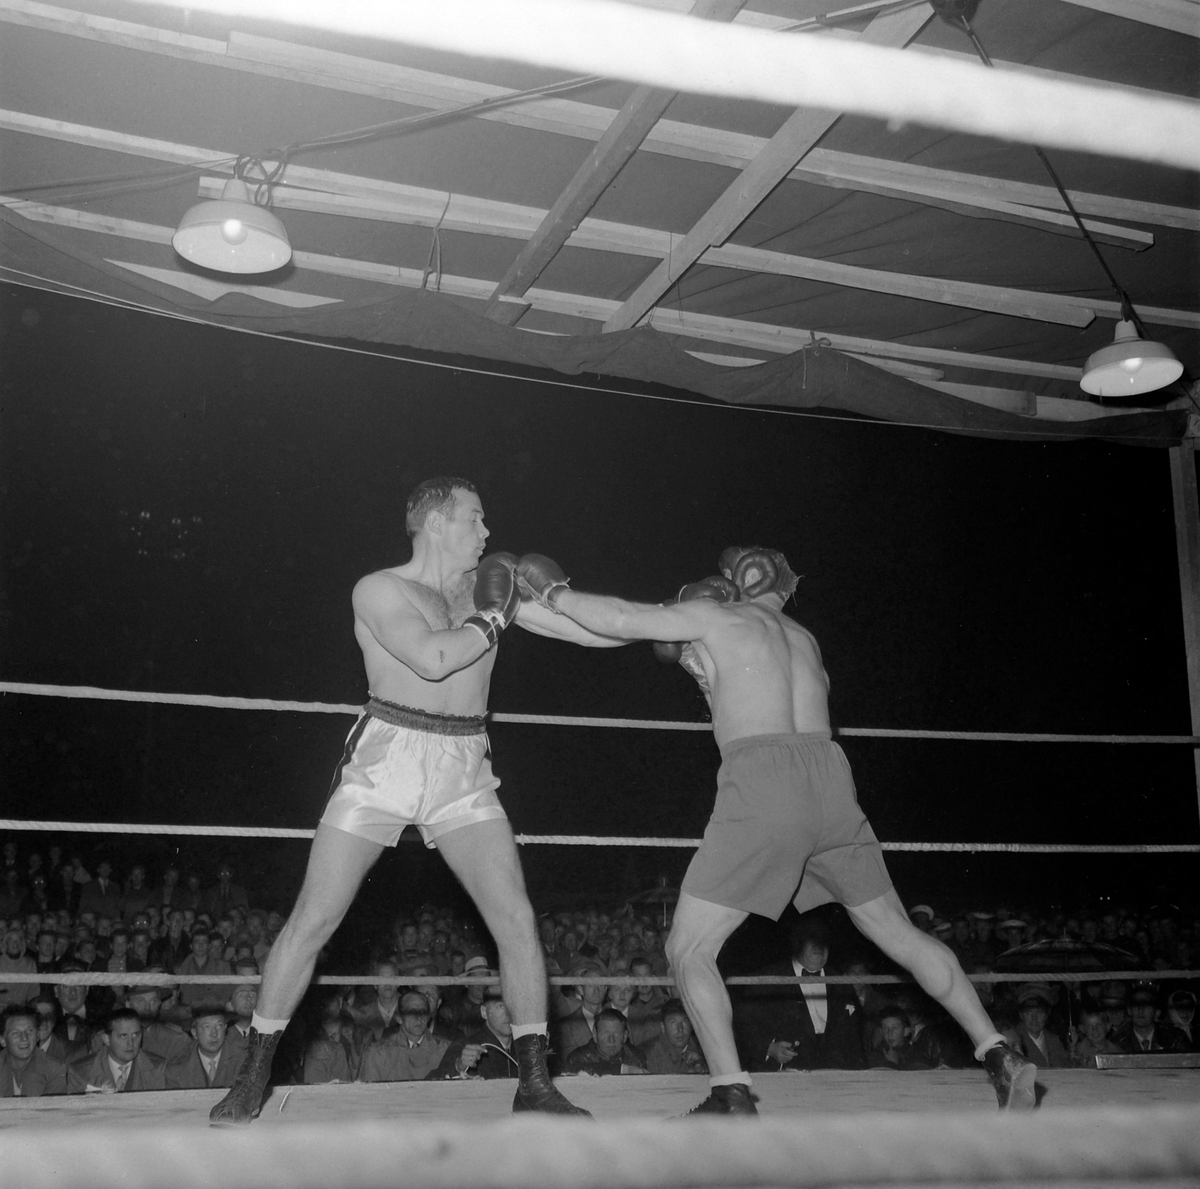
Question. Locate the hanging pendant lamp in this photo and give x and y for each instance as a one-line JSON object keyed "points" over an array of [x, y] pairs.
{"points": [[232, 234], [1129, 365]]}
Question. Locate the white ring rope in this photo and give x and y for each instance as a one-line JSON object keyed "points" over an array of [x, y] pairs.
{"points": [[146, 978], [220, 702], [1014, 848]]}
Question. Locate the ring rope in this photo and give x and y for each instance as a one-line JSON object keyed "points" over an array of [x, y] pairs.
{"points": [[1021, 848], [145, 978], [220, 702]]}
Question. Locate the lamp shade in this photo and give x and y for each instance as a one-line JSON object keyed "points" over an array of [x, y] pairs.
{"points": [[232, 234], [1129, 366]]}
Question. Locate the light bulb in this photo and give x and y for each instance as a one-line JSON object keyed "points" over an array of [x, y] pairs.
{"points": [[234, 231], [1131, 365]]}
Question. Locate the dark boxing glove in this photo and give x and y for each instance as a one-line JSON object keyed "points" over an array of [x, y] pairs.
{"points": [[717, 588], [740, 561], [496, 596], [541, 579]]}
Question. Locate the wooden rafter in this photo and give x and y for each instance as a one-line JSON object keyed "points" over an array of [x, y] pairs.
{"points": [[1180, 16], [799, 133], [760, 336], [642, 110], [327, 192]]}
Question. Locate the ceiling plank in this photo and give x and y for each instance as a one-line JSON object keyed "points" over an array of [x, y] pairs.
{"points": [[1180, 16], [327, 192], [799, 133], [642, 110], [281, 59], [730, 331]]}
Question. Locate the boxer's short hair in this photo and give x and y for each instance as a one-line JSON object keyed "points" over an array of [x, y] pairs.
{"points": [[432, 495]]}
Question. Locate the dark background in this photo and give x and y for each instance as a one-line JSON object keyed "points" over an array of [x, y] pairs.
{"points": [[185, 509]]}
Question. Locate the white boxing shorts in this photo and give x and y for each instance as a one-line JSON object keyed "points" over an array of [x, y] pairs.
{"points": [[407, 767]]}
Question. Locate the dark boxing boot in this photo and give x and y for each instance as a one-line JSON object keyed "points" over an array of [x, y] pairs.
{"points": [[1012, 1077], [536, 1092], [735, 1099], [245, 1096]]}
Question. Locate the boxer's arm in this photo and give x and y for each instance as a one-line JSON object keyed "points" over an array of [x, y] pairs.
{"points": [[608, 616], [381, 605], [539, 620]]}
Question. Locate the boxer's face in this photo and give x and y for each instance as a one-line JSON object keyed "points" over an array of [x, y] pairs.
{"points": [[464, 533]]}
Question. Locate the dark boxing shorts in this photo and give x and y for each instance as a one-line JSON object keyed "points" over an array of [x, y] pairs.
{"points": [[786, 817], [405, 767]]}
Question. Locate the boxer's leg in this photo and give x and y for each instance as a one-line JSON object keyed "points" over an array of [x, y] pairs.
{"points": [[699, 931]]}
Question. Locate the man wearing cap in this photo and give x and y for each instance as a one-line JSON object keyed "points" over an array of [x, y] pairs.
{"points": [[408, 1053], [1013, 932], [486, 1051], [1031, 1037], [459, 1010], [159, 1037], [1181, 1014], [1143, 1032], [210, 1060]]}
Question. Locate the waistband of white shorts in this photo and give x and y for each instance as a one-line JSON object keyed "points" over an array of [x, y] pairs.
{"points": [[425, 720], [789, 739]]}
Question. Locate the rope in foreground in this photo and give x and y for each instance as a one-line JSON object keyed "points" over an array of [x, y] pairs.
{"points": [[681, 53], [222, 702], [1018, 848], [1077, 1147]]}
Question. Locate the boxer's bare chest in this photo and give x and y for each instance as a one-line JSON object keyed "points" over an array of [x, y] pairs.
{"points": [[442, 610]]}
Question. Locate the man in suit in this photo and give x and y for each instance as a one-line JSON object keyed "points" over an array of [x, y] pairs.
{"points": [[210, 1059], [160, 1038], [25, 1070], [1143, 1031], [579, 1028], [101, 896], [224, 894], [120, 1067], [1031, 1037], [487, 1052], [804, 1026]]}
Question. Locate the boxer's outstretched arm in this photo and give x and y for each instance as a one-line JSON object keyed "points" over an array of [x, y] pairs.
{"points": [[383, 608], [608, 616], [535, 618]]}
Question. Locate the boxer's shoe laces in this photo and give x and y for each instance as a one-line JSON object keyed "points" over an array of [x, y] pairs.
{"points": [[244, 1100], [536, 1092]]}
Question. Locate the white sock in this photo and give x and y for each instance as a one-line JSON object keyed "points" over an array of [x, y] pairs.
{"points": [[996, 1038], [519, 1030], [265, 1027], [730, 1079]]}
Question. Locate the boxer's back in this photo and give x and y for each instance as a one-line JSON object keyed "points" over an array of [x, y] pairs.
{"points": [[765, 673]]}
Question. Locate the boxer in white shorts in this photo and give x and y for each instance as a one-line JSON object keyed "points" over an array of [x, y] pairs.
{"points": [[427, 630]]}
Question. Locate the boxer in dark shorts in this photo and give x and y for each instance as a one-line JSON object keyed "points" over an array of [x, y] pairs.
{"points": [[786, 825], [786, 815]]}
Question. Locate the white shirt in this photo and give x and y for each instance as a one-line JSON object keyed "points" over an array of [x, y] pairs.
{"points": [[210, 1065], [120, 1073], [816, 998]]}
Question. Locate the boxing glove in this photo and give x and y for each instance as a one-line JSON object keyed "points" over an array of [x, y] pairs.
{"points": [[496, 596], [668, 651], [541, 579], [762, 560], [717, 588]]}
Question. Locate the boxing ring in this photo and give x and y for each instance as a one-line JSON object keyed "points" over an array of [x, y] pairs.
{"points": [[1123, 1126], [1114, 1127]]}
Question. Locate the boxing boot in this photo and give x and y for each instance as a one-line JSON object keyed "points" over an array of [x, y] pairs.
{"points": [[1012, 1077], [536, 1092], [244, 1100], [727, 1100]]}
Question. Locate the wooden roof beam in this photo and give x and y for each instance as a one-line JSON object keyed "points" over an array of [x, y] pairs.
{"points": [[642, 110], [740, 332], [1180, 16], [799, 133]]}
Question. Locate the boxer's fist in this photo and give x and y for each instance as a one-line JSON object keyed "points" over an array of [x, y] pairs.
{"points": [[541, 579], [496, 596], [717, 588], [668, 651], [756, 573]]}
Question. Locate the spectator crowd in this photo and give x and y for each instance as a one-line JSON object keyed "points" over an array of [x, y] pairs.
{"points": [[57, 917]]}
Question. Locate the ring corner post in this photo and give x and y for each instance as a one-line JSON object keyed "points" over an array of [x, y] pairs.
{"points": [[1187, 549]]}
